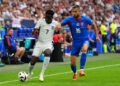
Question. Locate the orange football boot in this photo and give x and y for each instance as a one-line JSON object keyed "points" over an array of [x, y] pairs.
{"points": [[82, 73], [75, 77]]}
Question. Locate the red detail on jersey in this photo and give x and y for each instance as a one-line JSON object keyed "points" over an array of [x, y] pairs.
{"points": [[82, 24], [78, 19]]}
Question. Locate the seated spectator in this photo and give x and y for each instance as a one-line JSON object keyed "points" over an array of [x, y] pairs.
{"points": [[13, 48]]}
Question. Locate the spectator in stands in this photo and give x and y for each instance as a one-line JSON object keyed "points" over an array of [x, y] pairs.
{"points": [[12, 47], [58, 37], [92, 39], [68, 44], [1, 64], [103, 30], [7, 26], [2, 25], [113, 28]]}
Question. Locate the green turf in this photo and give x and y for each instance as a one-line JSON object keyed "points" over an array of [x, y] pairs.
{"points": [[100, 71]]}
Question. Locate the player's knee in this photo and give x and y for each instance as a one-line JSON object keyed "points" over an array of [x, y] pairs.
{"points": [[84, 50], [33, 60], [47, 52], [73, 63]]}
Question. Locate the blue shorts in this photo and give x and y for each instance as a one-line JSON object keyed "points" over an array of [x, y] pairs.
{"points": [[12, 50], [76, 47]]}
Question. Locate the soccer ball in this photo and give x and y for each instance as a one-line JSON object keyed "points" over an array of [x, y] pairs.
{"points": [[22, 76]]}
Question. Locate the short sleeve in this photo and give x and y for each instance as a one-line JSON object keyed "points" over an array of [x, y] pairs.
{"points": [[65, 21], [89, 21], [38, 24], [56, 23]]}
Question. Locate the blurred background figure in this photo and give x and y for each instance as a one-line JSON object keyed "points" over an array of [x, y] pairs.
{"points": [[58, 37], [1, 64], [103, 30], [7, 26], [113, 28], [68, 44]]}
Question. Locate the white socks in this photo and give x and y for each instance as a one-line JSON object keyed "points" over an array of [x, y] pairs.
{"points": [[30, 68], [45, 64]]}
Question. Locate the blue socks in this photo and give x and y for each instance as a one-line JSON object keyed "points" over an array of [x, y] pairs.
{"points": [[73, 68], [83, 60], [82, 63]]}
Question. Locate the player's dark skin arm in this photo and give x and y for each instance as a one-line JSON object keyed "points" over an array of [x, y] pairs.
{"points": [[96, 32]]}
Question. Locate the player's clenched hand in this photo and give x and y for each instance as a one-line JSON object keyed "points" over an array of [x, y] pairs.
{"points": [[97, 38]]}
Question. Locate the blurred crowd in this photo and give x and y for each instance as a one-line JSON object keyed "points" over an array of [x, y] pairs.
{"points": [[31, 9]]}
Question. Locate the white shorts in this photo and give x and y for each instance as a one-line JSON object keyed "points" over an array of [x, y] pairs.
{"points": [[41, 47]]}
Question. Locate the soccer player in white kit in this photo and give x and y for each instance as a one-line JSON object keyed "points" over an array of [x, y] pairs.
{"points": [[44, 45]]}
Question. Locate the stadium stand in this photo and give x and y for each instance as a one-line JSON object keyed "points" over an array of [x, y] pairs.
{"points": [[23, 14]]}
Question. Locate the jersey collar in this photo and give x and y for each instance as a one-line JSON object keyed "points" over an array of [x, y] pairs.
{"points": [[77, 19]]}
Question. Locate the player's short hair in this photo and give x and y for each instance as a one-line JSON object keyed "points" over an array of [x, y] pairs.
{"points": [[76, 6], [49, 13]]}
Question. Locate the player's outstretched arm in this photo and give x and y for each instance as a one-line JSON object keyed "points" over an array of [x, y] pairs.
{"points": [[96, 32]]}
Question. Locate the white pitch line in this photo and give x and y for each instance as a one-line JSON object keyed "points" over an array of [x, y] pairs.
{"points": [[65, 72]]}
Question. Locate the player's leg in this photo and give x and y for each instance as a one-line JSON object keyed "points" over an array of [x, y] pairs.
{"points": [[74, 53], [83, 58], [34, 59], [74, 67], [47, 54], [35, 56]]}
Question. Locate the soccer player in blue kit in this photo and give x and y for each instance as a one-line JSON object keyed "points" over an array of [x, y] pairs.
{"points": [[78, 26]]}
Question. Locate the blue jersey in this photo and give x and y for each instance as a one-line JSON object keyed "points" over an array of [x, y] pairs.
{"points": [[78, 27], [9, 41]]}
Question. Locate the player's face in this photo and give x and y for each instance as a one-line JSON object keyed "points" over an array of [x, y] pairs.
{"points": [[48, 19], [76, 12]]}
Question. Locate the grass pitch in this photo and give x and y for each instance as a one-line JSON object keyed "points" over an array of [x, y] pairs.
{"points": [[102, 70]]}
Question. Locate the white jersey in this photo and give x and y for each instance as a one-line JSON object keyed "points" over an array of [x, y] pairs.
{"points": [[46, 30]]}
